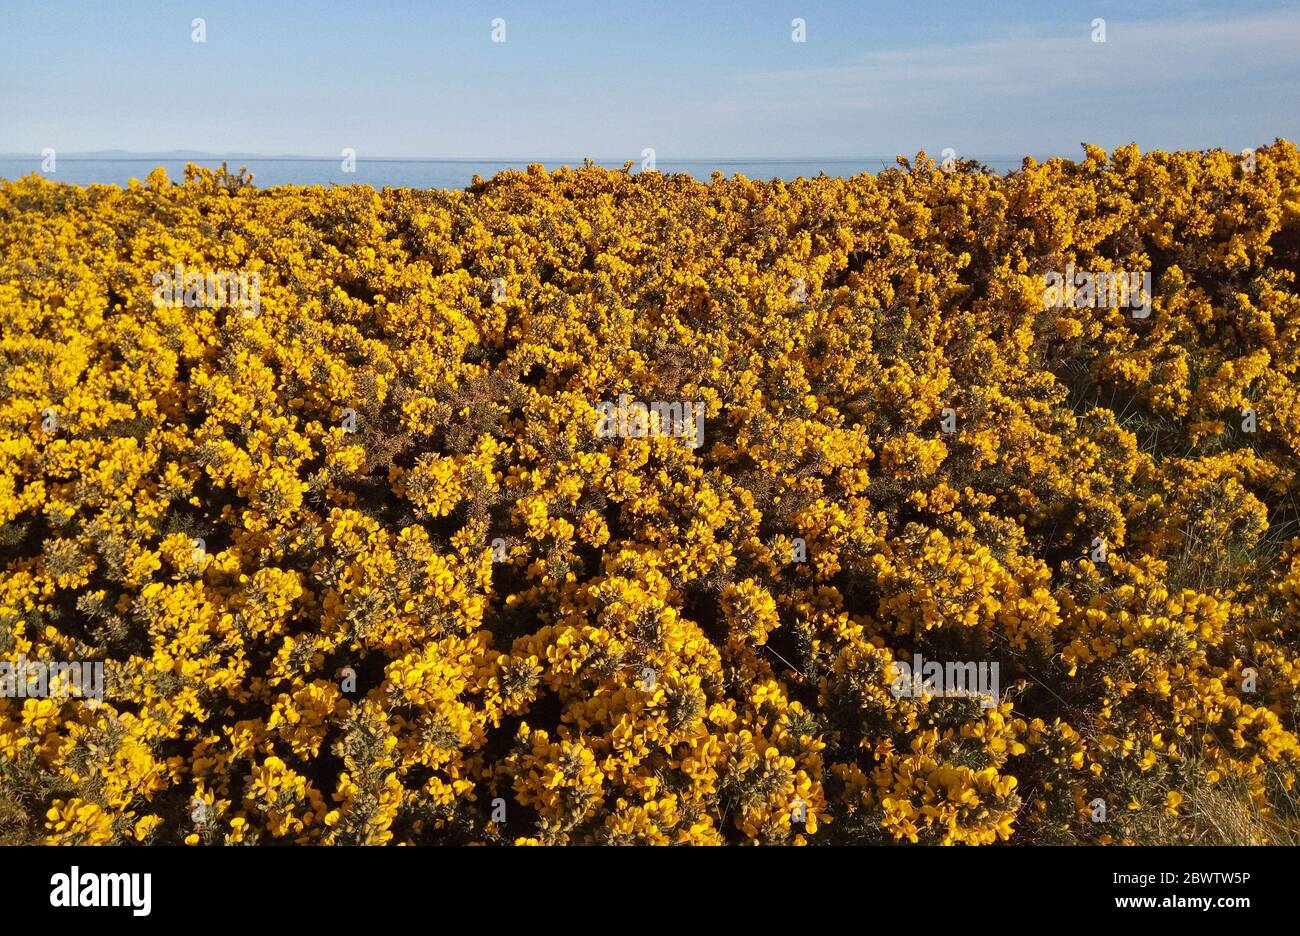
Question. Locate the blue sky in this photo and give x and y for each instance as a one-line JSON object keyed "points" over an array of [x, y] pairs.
{"points": [[690, 79]]}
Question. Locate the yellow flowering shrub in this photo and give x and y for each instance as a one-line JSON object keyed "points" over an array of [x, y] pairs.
{"points": [[361, 569]]}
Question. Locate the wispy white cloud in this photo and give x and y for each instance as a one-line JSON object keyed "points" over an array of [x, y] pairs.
{"points": [[1149, 79]]}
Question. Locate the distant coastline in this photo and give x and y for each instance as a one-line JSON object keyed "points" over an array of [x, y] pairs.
{"points": [[111, 167]]}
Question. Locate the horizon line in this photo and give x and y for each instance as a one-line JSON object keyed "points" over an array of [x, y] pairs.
{"points": [[129, 156]]}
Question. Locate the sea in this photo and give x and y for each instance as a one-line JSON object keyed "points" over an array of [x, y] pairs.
{"points": [[429, 173]]}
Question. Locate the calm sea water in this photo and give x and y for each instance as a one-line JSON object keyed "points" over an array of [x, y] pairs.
{"points": [[428, 173]]}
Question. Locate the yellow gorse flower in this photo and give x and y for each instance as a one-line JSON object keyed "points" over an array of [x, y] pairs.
{"points": [[361, 569]]}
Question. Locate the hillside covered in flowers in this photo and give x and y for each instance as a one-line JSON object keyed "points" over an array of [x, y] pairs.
{"points": [[360, 565]]}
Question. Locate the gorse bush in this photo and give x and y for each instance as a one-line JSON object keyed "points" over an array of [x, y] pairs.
{"points": [[360, 568]]}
